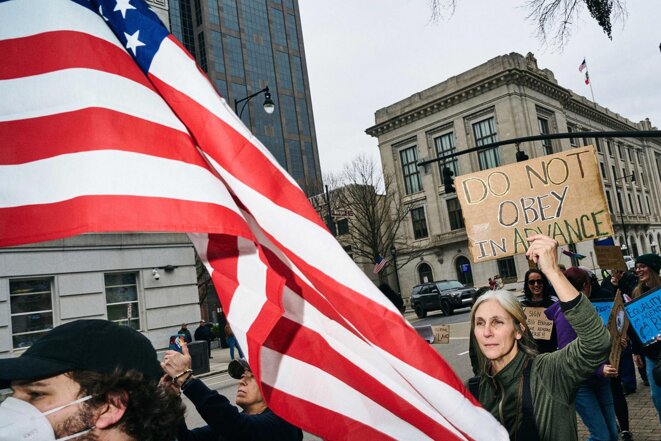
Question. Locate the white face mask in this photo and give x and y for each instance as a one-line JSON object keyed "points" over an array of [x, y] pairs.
{"points": [[20, 420]]}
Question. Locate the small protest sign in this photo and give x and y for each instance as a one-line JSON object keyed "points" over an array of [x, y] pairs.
{"points": [[441, 334], [604, 310], [645, 316], [617, 327], [610, 257], [559, 195], [540, 326]]}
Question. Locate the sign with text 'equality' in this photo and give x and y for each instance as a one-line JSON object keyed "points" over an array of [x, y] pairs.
{"points": [[645, 316], [558, 195]]}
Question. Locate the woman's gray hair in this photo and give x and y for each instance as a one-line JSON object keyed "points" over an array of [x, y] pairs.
{"points": [[511, 304]]}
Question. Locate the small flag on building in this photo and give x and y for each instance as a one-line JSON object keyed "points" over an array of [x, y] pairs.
{"points": [[379, 263], [587, 78], [583, 65]]}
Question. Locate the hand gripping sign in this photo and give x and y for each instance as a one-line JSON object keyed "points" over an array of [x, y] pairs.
{"points": [[559, 195]]}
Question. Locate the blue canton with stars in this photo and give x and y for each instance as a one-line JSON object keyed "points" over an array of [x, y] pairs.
{"points": [[136, 26]]}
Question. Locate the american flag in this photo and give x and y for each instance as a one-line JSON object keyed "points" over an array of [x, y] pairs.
{"points": [[583, 65], [107, 124], [379, 263]]}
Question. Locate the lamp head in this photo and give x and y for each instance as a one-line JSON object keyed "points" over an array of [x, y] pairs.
{"points": [[269, 105]]}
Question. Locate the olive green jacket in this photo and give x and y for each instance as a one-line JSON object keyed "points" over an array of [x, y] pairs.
{"points": [[554, 378]]}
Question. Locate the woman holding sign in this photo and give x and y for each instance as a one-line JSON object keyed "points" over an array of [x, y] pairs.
{"points": [[533, 394], [540, 294], [647, 269]]}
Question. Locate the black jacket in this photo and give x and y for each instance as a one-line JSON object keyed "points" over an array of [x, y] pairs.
{"points": [[227, 423]]}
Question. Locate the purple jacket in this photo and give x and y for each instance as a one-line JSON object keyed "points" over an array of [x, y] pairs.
{"points": [[564, 331]]}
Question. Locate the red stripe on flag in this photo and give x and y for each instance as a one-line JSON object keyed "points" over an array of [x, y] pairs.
{"points": [[38, 223], [93, 129], [51, 51], [319, 420]]}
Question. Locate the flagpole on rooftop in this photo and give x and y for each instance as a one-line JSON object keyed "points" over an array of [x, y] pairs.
{"points": [[589, 81]]}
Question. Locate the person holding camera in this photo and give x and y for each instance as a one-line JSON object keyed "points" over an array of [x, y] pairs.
{"points": [[255, 422]]}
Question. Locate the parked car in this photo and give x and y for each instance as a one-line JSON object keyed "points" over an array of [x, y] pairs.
{"points": [[630, 262], [444, 295]]}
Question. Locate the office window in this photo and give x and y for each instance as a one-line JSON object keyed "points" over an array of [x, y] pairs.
{"points": [[586, 141], [419, 223], [597, 142], [572, 141], [230, 15], [614, 174], [203, 51], [619, 151], [198, 13], [342, 227], [485, 133], [454, 213], [608, 199], [507, 268], [619, 202], [609, 146], [31, 310], [649, 207], [409, 158], [444, 146], [235, 56], [630, 203], [543, 125], [640, 205], [122, 303], [603, 170], [629, 154]]}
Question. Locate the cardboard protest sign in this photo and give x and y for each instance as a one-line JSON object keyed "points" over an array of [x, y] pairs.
{"points": [[540, 326], [617, 326], [558, 195], [441, 334], [645, 316], [610, 257], [604, 310]]}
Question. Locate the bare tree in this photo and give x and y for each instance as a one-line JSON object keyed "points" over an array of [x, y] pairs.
{"points": [[369, 200], [556, 19]]}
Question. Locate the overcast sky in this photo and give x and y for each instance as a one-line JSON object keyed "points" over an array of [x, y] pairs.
{"points": [[363, 55]]}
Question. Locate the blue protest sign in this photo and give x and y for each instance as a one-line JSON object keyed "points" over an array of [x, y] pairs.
{"points": [[645, 316], [604, 310]]}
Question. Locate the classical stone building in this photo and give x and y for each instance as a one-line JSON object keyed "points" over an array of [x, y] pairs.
{"points": [[506, 97]]}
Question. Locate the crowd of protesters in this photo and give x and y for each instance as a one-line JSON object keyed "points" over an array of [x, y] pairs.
{"points": [[68, 386]]}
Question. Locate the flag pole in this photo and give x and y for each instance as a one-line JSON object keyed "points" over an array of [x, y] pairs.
{"points": [[587, 73]]}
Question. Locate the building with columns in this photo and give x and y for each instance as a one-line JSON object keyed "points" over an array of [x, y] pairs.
{"points": [[509, 96]]}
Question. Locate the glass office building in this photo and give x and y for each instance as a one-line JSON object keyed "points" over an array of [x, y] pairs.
{"points": [[244, 46]]}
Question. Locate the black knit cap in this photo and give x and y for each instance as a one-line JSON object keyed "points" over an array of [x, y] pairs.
{"points": [[652, 260], [92, 345]]}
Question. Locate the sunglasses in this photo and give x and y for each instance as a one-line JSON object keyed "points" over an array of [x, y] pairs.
{"points": [[535, 282]]}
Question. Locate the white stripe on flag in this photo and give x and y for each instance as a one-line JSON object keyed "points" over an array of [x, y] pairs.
{"points": [[49, 16], [74, 89], [109, 172]]}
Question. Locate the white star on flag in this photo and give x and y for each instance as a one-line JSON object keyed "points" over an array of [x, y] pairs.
{"points": [[123, 6], [132, 41]]}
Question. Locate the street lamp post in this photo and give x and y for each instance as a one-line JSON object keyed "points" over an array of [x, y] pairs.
{"points": [[393, 252], [269, 105], [624, 226]]}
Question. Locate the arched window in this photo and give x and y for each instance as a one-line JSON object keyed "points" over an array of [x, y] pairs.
{"points": [[425, 273], [464, 271]]}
